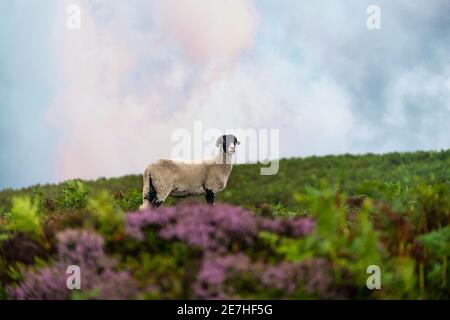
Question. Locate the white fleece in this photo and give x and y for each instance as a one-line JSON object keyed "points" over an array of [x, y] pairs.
{"points": [[183, 179]]}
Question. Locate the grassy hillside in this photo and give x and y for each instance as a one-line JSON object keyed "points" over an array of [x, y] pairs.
{"points": [[355, 175], [311, 231]]}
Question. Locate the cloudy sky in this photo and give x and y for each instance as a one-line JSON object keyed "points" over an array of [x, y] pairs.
{"points": [[104, 100]]}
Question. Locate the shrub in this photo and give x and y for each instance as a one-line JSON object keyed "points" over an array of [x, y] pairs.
{"points": [[99, 279], [110, 216], [73, 196], [211, 228], [315, 243], [22, 248], [237, 276], [228, 239], [438, 245], [130, 200], [24, 217]]}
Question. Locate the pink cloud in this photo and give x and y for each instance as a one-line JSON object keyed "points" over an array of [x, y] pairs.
{"points": [[109, 129], [210, 28]]}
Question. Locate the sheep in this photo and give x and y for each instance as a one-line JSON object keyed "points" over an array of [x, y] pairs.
{"points": [[181, 179]]}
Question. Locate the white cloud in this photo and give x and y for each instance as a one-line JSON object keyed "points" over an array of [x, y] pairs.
{"points": [[128, 87], [137, 71]]}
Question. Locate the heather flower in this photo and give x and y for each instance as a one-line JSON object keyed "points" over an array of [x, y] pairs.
{"points": [[218, 230], [295, 227], [50, 284], [316, 275], [135, 222], [278, 226], [80, 247], [283, 276], [215, 271], [302, 226], [312, 276], [85, 249], [45, 284], [211, 228]]}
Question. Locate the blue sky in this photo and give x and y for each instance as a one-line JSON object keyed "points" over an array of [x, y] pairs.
{"points": [[28, 80], [103, 100]]}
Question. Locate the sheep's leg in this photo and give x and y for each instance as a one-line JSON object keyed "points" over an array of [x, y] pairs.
{"points": [[160, 196], [151, 197], [210, 197], [157, 203], [148, 192]]}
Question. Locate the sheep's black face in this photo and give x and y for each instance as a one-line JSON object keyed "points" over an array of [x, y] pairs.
{"points": [[228, 143]]}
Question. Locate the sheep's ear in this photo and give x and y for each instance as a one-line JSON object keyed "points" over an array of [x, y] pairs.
{"points": [[236, 141], [219, 141]]}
